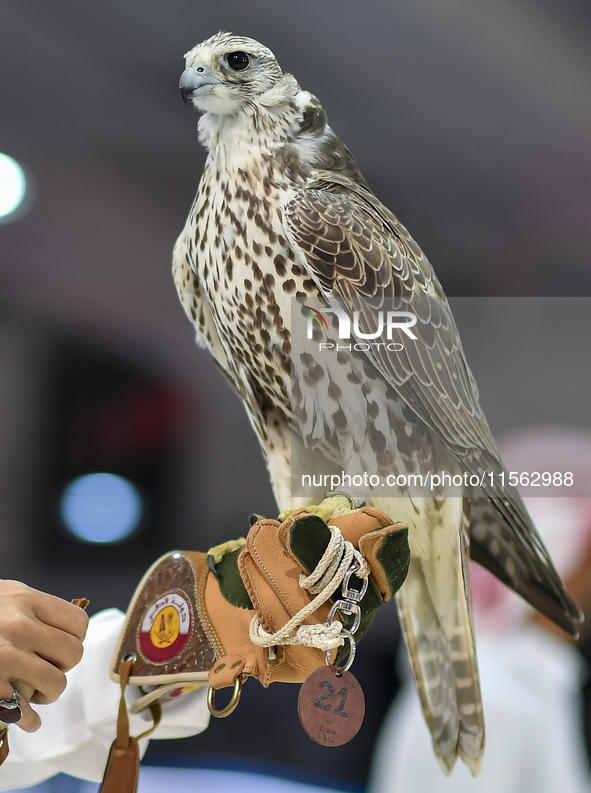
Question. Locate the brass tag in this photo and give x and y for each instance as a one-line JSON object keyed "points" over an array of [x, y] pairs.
{"points": [[331, 706]]}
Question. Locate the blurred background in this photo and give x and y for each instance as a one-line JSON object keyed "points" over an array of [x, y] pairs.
{"points": [[470, 119]]}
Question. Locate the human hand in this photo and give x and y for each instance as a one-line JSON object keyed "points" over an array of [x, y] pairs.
{"points": [[40, 640]]}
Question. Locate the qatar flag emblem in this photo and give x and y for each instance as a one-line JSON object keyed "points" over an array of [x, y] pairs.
{"points": [[166, 627]]}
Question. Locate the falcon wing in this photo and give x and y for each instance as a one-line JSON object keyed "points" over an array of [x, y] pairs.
{"points": [[359, 254]]}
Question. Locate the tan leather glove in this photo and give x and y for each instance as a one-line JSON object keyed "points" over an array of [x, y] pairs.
{"points": [[199, 618], [275, 606]]}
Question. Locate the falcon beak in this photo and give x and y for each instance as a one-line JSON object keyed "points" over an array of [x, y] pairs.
{"points": [[194, 78]]}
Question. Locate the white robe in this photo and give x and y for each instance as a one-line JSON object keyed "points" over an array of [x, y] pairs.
{"points": [[534, 731]]}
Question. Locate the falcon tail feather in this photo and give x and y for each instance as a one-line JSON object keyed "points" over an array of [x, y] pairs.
{"points": [[446, 672]]}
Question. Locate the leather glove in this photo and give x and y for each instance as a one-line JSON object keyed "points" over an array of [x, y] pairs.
{"points": [[197, 618], [267, 606]]}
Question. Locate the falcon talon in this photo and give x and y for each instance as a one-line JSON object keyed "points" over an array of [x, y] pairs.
{"points": [[356, 501], [211, 565], [333, 506]]}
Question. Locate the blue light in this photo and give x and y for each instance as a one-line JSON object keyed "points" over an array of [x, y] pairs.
{"points": [[101, 508], [13, 186]]}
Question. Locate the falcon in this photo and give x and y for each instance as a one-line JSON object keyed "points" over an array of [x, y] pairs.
{"points": [[283, 214]]}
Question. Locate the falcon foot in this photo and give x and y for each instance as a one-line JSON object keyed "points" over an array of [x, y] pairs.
{"points": [[333, 506]]}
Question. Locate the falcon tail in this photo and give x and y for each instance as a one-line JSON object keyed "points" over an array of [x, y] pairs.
{"points": [[445, 670]]}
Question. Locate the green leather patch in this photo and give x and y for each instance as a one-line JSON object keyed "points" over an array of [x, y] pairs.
{"points": [[230, 582], [308, 539], [394, 557]]}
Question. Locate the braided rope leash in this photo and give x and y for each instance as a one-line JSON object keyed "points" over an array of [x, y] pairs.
{"points": [[339, 561]]}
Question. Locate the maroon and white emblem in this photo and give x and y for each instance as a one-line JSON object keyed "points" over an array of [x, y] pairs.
{"points": [[166, 627]]}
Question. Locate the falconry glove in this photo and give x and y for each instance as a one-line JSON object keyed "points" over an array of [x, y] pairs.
{"points": [[255, 607]]}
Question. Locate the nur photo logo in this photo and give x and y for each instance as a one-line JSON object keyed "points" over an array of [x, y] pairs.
{"points": [[386, 322]]}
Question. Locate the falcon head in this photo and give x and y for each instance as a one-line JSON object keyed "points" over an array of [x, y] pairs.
{"points": [[227, 72]]}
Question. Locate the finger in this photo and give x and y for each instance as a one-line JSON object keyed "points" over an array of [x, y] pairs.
{"points": [[6, 689], [60, 614], [28, 636], [30, 721], [59, 648], [47, 680]]}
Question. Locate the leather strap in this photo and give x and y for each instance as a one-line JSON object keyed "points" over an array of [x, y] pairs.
{"points": [[123, 766], [123, 769], [224, 672]]}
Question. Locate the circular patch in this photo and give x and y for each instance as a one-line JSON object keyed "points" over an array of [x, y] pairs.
{"points": [[166, 627], [331, 706]]}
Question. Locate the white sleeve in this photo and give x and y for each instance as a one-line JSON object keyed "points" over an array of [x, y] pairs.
{"points": [[78, 729]]}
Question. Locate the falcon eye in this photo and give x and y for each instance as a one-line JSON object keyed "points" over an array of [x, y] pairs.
{"points": [[238, 61]]}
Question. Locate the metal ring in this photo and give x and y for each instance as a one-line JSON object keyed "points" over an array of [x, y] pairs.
{"points": [[350, 609], [353, 645], [354, 594], [233, 704], [10, 709]]}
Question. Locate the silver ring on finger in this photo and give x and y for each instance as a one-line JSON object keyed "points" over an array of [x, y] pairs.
{"points": [[10, 709]]}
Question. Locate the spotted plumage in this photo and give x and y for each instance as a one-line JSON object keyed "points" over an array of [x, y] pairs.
{"points": [[283, 212]]}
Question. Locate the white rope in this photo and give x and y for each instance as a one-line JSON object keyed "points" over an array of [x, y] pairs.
{"points": [[322, 582]]}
